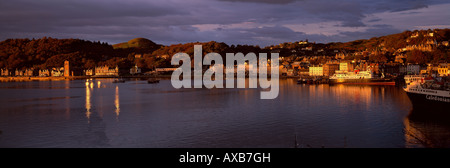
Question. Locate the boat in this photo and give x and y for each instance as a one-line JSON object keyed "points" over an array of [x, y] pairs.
{"points": [[412, 78], [429, 94], [301, 81], [152, 81], [360, 78], [119, 81]]}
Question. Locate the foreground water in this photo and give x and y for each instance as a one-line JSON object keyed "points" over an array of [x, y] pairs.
{"points": [[99, 113]]}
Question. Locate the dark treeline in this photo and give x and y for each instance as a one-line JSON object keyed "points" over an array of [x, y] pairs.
{"points": [[50, 52]]}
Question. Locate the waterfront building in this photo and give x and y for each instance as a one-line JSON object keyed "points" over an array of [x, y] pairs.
{"points": [[106, 71], [67, 69], [5, 72], [296, 64], [343, 66], [135, 70], [290, 72], [30, 72], [391, 69], [57, 72], [423, 71], [402, 69], [315, 71], [19, 72], [413, 69], [88, 72], [442, 70], [330, 68], [44, 73], [303, 72]]}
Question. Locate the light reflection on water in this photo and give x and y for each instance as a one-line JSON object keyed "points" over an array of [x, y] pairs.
{"points": [[99, 113]]}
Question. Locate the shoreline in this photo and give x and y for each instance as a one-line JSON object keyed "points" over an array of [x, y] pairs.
{"points": [[29, 79], [62, 78]]}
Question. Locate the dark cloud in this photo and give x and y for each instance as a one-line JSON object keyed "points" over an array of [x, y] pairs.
{"points": [[374, 20], [397, 5], [375, 31], [263, 1], [177, 21]]}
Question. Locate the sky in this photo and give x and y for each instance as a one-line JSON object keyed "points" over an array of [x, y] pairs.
{"points": [[254, 22]]}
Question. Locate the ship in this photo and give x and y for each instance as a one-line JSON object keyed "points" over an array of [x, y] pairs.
{"points": [[360, 78], [428, 93]]}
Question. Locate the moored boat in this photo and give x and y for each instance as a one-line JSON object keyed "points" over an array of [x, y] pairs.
{"points": [[119, 81], [360, 78], [429, 94], [152, 81]]}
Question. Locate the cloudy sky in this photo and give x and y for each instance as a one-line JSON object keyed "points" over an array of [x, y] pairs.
{"points": [[256, 22]]}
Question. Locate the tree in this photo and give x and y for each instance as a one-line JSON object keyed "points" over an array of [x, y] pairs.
{"points": [[378, 57], [417, 57]]}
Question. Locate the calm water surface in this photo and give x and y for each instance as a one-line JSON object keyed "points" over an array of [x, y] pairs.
{"points": [[99, 113]]}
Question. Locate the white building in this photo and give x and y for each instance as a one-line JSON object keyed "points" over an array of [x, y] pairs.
{"points": [[135, 70], [413, 69]]}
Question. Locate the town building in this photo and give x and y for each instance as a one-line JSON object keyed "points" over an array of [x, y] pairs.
{"points": [[413, 69], [303, 72], [343, 66], [330, 68], [44, 73], [5, 72], [18, 72], [106, 71], [420, 47], [163, 56], [315, 71], [445, 43], [67, 69], [296, 65], [30, 72], [402, 69], [340, 55], [135, 70], [391, 69], [88, 72], [57, 72], [442, 70]]}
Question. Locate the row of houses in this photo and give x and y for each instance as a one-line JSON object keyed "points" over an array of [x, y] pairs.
{"points": [[65, 71], [30, 72], [332, 67]]}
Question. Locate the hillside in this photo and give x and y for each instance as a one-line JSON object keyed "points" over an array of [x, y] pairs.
{"points": [[424, 46], [50, 52], [419, 46], [141, 43]]}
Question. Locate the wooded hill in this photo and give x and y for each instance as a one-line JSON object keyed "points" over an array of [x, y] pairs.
{"points": [[51, 52]]}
